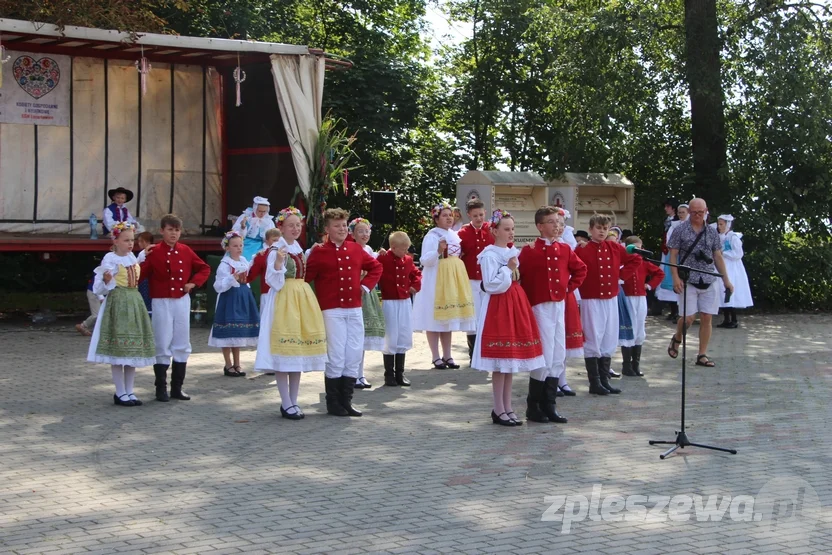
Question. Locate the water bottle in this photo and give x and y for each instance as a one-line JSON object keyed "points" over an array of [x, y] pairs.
{"points": [[93, 226]]}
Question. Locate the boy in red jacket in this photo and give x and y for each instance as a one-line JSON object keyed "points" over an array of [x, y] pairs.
{"points": [[399, 280], [549, 269], [646, 276], [473, 238], [334, 268], [173, 269], [599, 301]]}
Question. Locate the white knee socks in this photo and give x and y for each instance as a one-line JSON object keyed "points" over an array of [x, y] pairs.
{"points": [[118, 379], [129, 379], [294, 387], [282, 379]]}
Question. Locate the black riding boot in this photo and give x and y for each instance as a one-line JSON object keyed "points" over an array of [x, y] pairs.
{"points": [[161, 371], [472, 339], [551, 399], [347, 389], [636, 354], [400, 379], [627, 367], [177, 378], [592, 372], [536, 402], [389, 372], [332, 386], [603, 374]]}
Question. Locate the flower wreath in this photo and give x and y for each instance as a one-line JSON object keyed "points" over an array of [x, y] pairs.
{"points": [[440, 206], [498, 215], [353, 224], [121, 226], [228, 237], [286, 212]]}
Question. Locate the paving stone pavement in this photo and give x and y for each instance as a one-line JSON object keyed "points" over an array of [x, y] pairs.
{"points": [[424, 471]]}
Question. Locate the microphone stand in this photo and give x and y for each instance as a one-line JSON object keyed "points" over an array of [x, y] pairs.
{"points": [[681, 436]]}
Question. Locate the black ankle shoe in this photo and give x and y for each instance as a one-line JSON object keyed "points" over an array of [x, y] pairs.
{"points": [[122, 402], [450, 363], [135, 400], [517, 421], [567, 392], [294, 416], [495, 418]]}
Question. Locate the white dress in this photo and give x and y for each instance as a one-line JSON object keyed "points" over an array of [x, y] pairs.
{"points": [[496, 280], [423, 303], [732, 254]]}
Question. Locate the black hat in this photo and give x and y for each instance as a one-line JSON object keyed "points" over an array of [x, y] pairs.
{"points": [[112, 192], [582, 233], [671, 202]]}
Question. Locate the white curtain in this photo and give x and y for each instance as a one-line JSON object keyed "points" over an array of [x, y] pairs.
{"points": [[299, 84]]}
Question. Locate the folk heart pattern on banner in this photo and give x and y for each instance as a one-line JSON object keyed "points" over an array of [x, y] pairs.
{"points": [[37, 77]]}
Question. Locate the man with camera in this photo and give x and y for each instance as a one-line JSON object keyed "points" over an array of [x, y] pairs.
{"points": [[695, 244]]}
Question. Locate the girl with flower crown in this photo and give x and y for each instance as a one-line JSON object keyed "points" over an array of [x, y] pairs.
{"points": [[509, 341], [236, 318], [123, 334], [292, 333], [360, 230], [445, 303]]}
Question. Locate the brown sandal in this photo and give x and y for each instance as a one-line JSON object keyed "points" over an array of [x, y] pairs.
{"points": [[673, 349], [708, 362]]}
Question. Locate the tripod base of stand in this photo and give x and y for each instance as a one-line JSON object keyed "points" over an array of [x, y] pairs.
{"points": [[682, 441]]}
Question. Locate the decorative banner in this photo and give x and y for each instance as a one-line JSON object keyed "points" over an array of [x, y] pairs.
{"points": [[36, 89]]}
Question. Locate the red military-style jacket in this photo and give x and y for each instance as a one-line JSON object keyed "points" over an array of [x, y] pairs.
{"points": [[258, 269], [336, 273], [398, 276], [549, 272], [169, 268], [603, 262], [472, 242], [635, 279]]}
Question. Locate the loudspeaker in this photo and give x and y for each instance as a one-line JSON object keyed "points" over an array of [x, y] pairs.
{"points": [[383, 207]]}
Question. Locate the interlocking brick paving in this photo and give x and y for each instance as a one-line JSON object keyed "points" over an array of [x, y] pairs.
{"points": [[424, 471]]}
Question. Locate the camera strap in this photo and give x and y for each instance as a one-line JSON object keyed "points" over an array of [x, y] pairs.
{"points": [[693, 246]]}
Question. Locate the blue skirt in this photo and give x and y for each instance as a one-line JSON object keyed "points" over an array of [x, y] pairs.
{"points": [[667, 281], [251, 246], [626, 337], [236, 320]]}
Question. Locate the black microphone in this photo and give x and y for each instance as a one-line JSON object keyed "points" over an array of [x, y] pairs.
{"points": [[632, 249]]}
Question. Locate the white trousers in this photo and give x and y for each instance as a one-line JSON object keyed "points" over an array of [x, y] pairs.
{"points": [[638, 314], [398, 326], [344, 341], [552, 325], [477, 294], [599, 318], [172, 329]]}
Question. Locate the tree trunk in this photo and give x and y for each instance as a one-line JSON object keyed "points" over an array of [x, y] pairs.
{"points": [[710, 159]]}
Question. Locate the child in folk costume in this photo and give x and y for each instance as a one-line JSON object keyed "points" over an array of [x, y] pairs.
{"points": [[473, 238], [253, 224], [123, 334], [236, 318], [117, 212], [445, 303], [292, 334], [336, 269], [509, 341], [400, 279], [665, 291], [732, 253], [638, 280], [145, 241], [173, 270], [626, 336], [360, 230], [258, 264], [549, 272], [572, 313], [599, 301]]}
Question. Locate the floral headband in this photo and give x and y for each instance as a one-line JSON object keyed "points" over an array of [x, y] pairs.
{"points": [[498, 215], [286, 212], [121, 226], [353, 224], [439, 207], [228, 237]]}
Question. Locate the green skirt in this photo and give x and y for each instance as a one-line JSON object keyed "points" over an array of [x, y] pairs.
{"points": [[123, 332], [373, 321]]}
